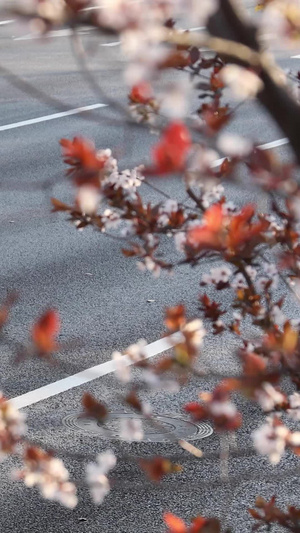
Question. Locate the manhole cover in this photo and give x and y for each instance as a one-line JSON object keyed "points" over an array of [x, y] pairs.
{"points": [[179, 427]]}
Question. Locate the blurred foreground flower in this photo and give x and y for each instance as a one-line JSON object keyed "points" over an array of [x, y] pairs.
{"points": [[96, 475], [171, 152], [12, 427], [244, 83], [49, 474]]}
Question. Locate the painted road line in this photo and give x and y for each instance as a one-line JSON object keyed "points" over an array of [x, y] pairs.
{"points": [[4, 22], [45, 118], [85, 376], [274, 144], [114, 43], [266, 146], [295, 57], [199, 28]]}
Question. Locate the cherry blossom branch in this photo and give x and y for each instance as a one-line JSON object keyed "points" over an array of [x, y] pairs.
{"points": [[223, 47], [228, 24], [193, 196]]}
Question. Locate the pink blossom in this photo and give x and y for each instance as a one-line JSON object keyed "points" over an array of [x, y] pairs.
{"points": [[234, 145], [150, 265], [217, 275], [96, 475], [239, 282], [136, 352], [122, 369], [294, 401], [12, 426], [88, 199], [273, 437], [49, 475], [224, 408], [243, 82], [270, 441], [195, 332], [131, 429], [268, 397]]}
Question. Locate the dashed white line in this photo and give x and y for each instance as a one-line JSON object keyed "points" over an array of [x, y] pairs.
{"points": [[55, 116], [295, 57], [110, 45], [85, 376], [198, 28], [4, 22], [274, 144]]}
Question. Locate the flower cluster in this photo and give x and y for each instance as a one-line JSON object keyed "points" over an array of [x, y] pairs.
{"points": [[273, 438], [96, 475], [12, 427], [49, 475], [218, 408]]}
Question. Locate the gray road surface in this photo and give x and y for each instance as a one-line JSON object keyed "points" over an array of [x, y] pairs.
{"points": [[102, 299]]}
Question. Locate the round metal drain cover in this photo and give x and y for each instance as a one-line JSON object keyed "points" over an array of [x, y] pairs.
{"points": [[179, 427]]}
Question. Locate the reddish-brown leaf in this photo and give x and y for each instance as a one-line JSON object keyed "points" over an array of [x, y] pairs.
{"points": [[84, 161], [93, 408], [59, 206], [6, 307], [170, 153], [174, 523], [175, 317], [45, 331], [158, 467], [141, 93], [133, 400]]}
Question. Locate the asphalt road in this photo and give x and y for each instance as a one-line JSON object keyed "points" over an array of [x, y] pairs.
{"points": [[102, 299]]}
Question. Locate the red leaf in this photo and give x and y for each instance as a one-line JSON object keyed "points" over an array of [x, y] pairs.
{"points": [[133, 400], [176, 59], [175, 317], [6, 307], [93, 408], [207, 236], [158, 467], [196, 410], [174, 524], [85, 163], [59, 206], [45, 331], [171, 151], [141, 93]]}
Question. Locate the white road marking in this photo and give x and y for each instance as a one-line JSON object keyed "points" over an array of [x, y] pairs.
{"points": [[114, 43], [68, 113], [4, 22], [85, 376], [295, 57], [274, 144], [266, 146], [199, 28]]}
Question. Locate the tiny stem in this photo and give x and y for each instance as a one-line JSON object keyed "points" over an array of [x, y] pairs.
{"points": [[193, 196]]}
